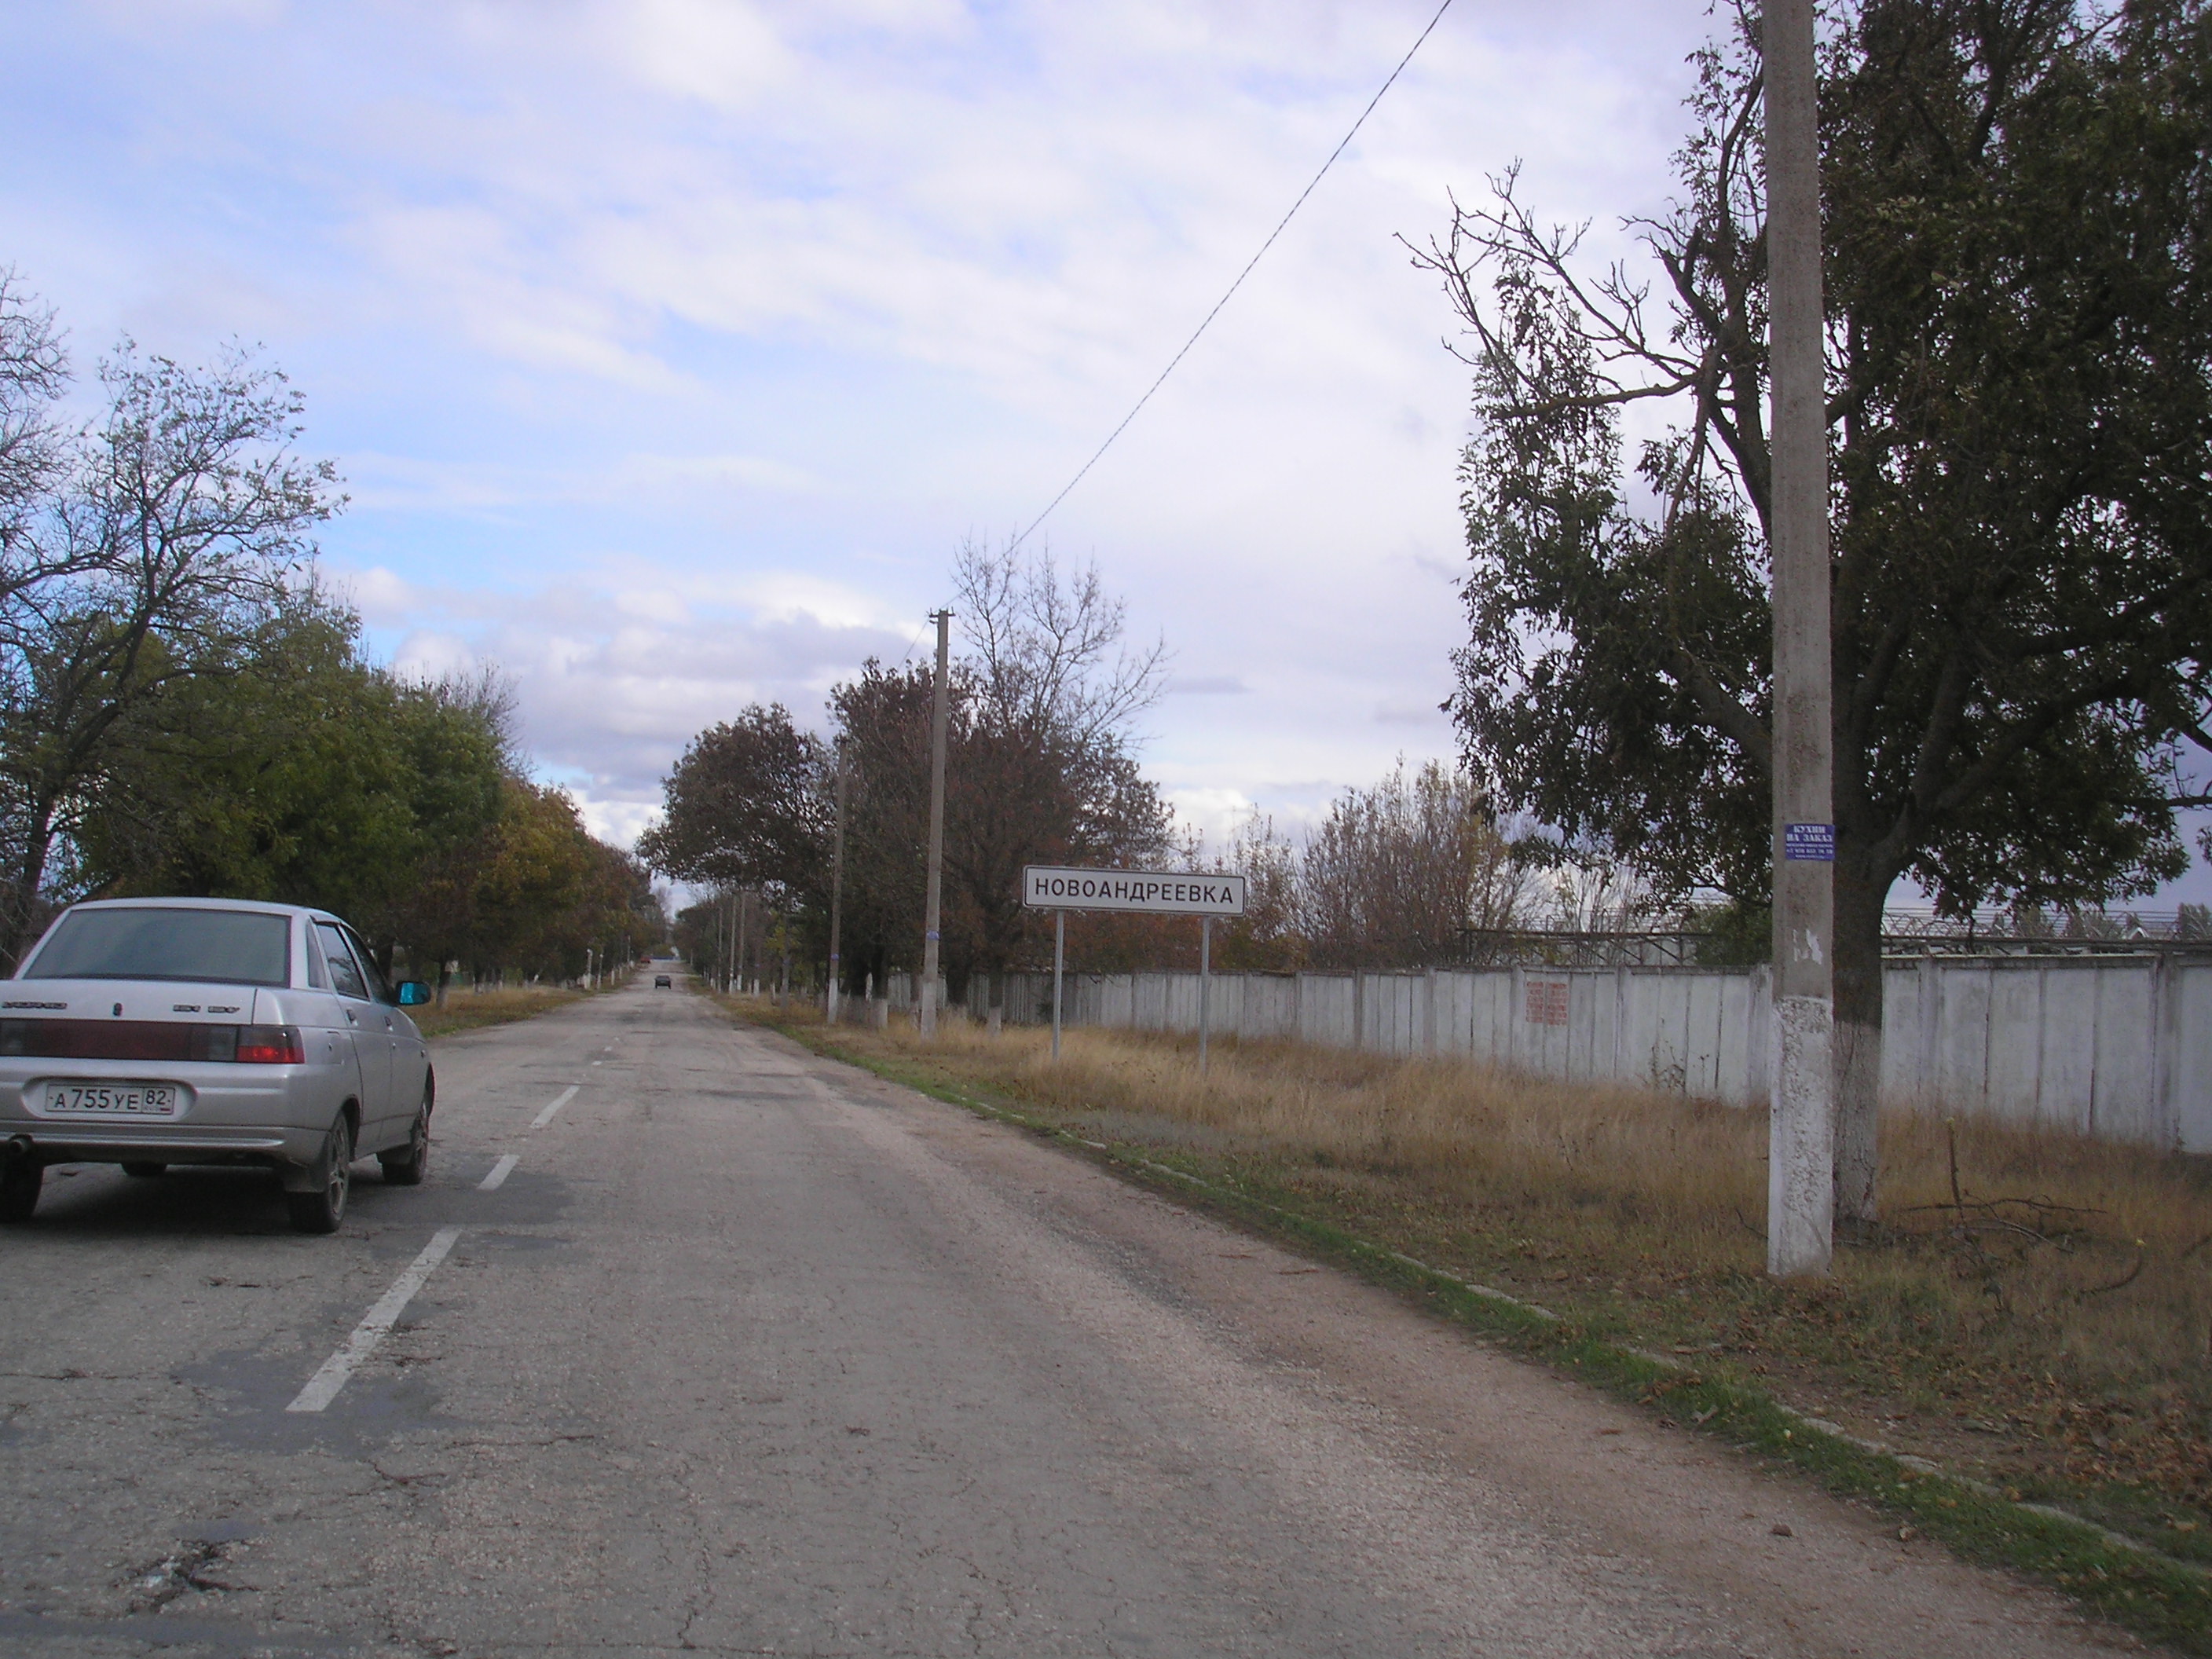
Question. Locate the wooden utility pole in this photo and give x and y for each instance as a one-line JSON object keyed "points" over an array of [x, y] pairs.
{"points": [[1801, 1138], [836, 885], [943, 620]]}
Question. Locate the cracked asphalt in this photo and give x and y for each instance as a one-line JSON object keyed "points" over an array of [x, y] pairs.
{"points": [[751, 1353]]}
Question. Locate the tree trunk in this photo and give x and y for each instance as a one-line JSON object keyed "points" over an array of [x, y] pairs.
{"points": [[30, 876], [1859, 896]]}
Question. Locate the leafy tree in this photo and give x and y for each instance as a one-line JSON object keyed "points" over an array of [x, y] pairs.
{"points": [[536, 876], [158, 541], [1039, 769], [1040, 765], [745, 804], [2016, 203], [456, 738], [293, 771]]}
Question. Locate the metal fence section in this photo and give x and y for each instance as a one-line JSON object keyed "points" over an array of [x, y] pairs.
{"points": [[2118, 1046]]}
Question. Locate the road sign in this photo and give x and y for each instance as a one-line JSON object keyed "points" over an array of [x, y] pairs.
{"points": [[1161, 892]]}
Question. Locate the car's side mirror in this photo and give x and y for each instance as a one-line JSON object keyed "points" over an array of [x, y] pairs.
{"points": [[414, 992]]}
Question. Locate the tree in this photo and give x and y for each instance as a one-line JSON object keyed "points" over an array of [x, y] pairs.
{"points": [[745, 804], [1396, 874], [150, 545], [457, 738], [1040, 768], [2016, 214], [1040, 763], [33, 375], [1269, 937], [293, 770]]}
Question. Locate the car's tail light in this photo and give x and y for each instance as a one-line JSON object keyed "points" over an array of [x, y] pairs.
{"points": [[271, 1045], [151, 1040]]}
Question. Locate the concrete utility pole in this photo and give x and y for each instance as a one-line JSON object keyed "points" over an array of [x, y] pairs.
{"points": [[1801, 1138], [836, 885], [943, 620]]}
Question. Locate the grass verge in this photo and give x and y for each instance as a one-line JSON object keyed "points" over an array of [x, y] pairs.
{"points": [[469, 1010], [1607, 1232]]}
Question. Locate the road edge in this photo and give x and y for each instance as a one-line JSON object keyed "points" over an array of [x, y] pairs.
{"points": [[2106, 1573]]}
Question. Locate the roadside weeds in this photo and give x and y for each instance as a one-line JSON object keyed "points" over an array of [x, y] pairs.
{"points": [[1361, 1224], [475, 1011]]}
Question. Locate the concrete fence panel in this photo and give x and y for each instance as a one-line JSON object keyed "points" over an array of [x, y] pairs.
{"points": [[2118, 1047], [2190, 1042]]}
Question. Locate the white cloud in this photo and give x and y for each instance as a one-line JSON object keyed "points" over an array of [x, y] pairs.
{"points": [[670, 348], [612, 678], [720, 52]]}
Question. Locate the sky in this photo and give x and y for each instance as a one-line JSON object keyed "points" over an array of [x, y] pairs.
{"points": [[669, 349]]}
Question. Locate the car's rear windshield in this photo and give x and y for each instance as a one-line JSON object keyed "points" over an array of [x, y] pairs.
{"points": [[232, 947]]}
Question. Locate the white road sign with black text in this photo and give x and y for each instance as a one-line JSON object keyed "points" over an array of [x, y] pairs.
{"points": [[1165, 892]]}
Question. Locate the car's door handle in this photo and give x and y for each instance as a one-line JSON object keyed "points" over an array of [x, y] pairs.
{"points": [[350, 1020]]}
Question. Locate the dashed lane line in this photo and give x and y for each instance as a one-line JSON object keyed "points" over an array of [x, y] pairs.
{"points": [[559, 1101], [500, 1171], [323, 1386]]}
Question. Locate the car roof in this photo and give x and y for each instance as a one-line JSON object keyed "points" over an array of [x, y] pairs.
{"points": [[260, 906]]}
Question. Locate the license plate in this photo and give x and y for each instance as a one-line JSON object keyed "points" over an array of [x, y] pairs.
{"points": [[110, 1100]]}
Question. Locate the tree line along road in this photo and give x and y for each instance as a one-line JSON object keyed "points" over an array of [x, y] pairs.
{"points": [[694, 1342]]}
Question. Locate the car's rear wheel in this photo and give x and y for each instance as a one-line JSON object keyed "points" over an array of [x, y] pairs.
{"points": [[322, 1209], [406, 1167], [20, 1181], [145, 1171]]}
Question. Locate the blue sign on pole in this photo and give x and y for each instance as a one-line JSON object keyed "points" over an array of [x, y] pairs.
{"points": [[1814, 843]]}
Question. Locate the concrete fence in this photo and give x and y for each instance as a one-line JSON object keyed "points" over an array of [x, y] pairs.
{"points": [[2119, 1047]]}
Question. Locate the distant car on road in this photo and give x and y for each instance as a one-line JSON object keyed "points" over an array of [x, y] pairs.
{"points": [[662, 982], [148, 1032]]}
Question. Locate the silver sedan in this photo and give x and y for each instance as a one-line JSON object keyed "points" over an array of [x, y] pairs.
{"points": [[148, 1032]]}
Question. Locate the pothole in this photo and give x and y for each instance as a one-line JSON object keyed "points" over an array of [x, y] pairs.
{"points": [[192, 1566]]}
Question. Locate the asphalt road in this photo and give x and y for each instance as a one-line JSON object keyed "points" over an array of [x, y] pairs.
{"points": [[746, 1352]]}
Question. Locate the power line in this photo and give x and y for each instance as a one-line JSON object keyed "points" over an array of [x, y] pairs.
{"points": [[1239, 282], [913, 642]]}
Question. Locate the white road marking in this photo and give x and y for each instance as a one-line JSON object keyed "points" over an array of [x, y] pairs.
{"points": [[323, 1386], [546, 1116], [500, 1171]]}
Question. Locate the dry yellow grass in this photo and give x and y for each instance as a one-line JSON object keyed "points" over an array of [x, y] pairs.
{"points": [[466, 1009], [2036, 1306]]}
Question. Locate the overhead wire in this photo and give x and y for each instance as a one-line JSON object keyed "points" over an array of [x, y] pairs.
{"points": [[1138, 407]]}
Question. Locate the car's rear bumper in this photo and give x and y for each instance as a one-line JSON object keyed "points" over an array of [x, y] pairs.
{"points": [[275, 1115], [136, 1143]]}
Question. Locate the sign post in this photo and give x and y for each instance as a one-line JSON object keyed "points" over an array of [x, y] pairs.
{"points": [[1150, 892], [1205, 984], [1059, 962]]}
